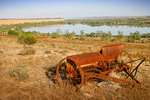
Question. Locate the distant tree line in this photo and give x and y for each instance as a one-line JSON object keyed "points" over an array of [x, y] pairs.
{"points": [[140, 22]]}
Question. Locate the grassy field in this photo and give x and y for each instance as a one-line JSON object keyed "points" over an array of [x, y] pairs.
{"points": [[24, 77], [17, 21]]}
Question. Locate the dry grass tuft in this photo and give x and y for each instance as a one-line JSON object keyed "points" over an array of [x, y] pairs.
{"points": [[27, 50], [47, 51], [19, 72], [0, 38]]}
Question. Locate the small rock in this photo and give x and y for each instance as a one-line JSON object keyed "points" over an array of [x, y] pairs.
{"points": [[46, 56], [102, 83], [88, 95], [1, 51]]}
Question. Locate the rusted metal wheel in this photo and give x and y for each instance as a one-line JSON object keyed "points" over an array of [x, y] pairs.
{"points": [[125, 60], [69, 75]]}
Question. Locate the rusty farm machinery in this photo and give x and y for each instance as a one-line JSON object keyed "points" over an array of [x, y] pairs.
{"points": [[79, 69]]}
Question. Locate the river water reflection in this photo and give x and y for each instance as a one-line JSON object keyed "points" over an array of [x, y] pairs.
{"points": [[88, 29]]}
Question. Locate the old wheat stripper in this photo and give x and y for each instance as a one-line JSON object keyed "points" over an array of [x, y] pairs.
{"points": [[79, 69]]}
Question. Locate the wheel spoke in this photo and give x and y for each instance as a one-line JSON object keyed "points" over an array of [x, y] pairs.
{"points": [[62, 69]]}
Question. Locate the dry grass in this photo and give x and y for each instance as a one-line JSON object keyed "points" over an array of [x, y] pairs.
{"points": [[43, 64], [27, 51], [17, 21], [19, 72]]}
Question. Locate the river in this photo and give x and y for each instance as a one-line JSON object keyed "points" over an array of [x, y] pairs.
{"points": [[88, 29]]}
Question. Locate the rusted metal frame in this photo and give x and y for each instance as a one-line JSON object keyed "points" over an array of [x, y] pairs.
{"points": [[130, 59], [86, 73], [136, 60], [105, 72], [114, 63], [91, 64], [109, 78], [120, 81], [136, 68], [90, 77], [133, 78], [92, 69], [121, 68]]}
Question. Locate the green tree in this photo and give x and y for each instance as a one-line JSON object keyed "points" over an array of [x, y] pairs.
{"points": [[58, 31], [106, 36], [82, 36], [73, 33], [136, 35], [145, 35], [68, 35], [120, 35], [92, 34], [82, 32], [99, 33]]}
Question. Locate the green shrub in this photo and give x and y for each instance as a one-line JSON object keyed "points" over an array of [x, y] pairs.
{"points": [[68, 35], [27, 39], [54, 35], [145, 35], [82, 38], [11, 32], [114, 39], [144, 41], [130, 40], [53, 45], [27, 33], [120, 35], [30, 39], [19, 72], [21, 38], [0, 38]]}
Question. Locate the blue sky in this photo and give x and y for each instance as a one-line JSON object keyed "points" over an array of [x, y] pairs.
{"points": [[72, 8]]}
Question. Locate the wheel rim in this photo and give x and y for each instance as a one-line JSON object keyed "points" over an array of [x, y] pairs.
{"points": [[73, 77]]}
